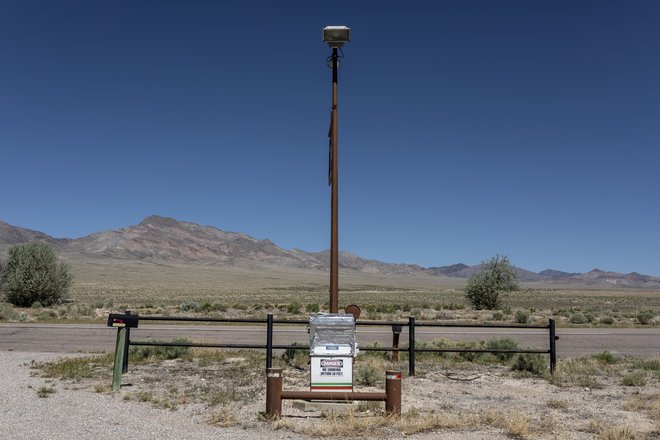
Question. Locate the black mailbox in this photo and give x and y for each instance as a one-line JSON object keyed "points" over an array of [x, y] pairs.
{"points": [[396, 329], [118, 320]]}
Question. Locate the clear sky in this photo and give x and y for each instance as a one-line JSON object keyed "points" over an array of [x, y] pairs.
{"points": [[467, 128]]}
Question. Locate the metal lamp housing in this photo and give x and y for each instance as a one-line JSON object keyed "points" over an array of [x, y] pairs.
{"points": [[336, 36]]}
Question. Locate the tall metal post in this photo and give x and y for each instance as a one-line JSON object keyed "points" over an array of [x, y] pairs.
{"points": [[334, 228], [269, 341], [411, 346], [553, 345]]}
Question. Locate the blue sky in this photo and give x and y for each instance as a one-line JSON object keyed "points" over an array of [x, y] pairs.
{"points": [[467, 128]]}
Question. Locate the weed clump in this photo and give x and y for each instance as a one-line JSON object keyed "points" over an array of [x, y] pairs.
{"points": [[502, 344], [645, 317], [530, 362], [522, 316], [147, 353], [578, 318], [367, 374], [606, 358], [634, 379]]}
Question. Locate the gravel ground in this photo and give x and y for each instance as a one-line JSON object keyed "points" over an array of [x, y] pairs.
{"points": [[77, 411], [75, 414]]}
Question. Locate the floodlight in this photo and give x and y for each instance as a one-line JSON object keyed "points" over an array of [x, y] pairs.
{"points": [[336, 36]]}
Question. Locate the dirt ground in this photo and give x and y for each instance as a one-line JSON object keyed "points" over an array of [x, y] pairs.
{"points": [[588, 398]]}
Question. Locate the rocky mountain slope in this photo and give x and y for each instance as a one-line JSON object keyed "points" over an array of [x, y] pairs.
{"points": [[165, 240]]}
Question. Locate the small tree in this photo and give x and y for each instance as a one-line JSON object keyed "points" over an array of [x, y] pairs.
{"points": [[32, 273], [496, 276]]}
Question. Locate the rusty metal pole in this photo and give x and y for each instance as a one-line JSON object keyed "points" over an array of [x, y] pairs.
{"points": [[393, 392], [334, 227], [274, 393]]}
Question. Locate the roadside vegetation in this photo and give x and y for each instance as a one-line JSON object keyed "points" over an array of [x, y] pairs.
{"points": [[585, 309], [209, 292], [32, 274]]}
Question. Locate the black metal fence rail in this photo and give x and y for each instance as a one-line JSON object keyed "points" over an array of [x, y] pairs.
{"points": [[411, 324]]}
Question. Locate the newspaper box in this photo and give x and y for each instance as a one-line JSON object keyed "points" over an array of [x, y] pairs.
{"points": [[332, 347]]}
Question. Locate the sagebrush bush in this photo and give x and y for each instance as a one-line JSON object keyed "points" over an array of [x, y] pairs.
{"points": [[502, 344], [578, 318], [634, 379], [531, 362], [312, 308], [294, 308], [32, 274], [161, 352], [522, 316], [367, 374], [646, 316], [606, 357]]}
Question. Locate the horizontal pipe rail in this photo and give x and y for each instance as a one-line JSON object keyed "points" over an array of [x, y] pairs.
{"points": [[411, 325], [357, 323], [333, 395]]}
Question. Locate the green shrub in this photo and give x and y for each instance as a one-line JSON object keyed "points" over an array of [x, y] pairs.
{"points": [[646, 316], [367, 374], [189, 306], [578, 318], [498, 316], [606, 358], [505, 344], [7, 312], [497, 276], [312, 308], [32, 273], [294, 308], [635, 379], [522, 316], [530, 362], [607, 320], [148, 352]]}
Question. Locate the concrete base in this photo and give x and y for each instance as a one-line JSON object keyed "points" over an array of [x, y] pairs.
{"points": [[324, 405]]}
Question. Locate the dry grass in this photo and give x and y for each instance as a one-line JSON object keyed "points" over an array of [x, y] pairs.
{"points": [[608, 432], [224, 418], [513, 423]]}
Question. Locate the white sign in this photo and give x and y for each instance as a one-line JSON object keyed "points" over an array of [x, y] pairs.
{"points": [[332, 373]]}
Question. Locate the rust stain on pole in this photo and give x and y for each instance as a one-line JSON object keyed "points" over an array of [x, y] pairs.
{"points": [[334, 228]]}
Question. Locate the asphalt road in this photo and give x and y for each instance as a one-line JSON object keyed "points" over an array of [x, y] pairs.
{"points": [[71, 338]]}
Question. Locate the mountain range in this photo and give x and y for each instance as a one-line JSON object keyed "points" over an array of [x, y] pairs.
{"points": [[163, 240]]}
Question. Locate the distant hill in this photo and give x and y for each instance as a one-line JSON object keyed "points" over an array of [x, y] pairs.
{"points": [[163, 240]]}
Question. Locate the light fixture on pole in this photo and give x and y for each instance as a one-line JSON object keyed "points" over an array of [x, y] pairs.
{"points": [[335, 37]]}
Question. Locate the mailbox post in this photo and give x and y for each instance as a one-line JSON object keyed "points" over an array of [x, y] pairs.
{"points": [[122, 322]]}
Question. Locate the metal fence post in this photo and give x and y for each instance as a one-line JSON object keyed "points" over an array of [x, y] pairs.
{"points": [[120, 349], [274, 393], [411, 346], [553, 345], [393, 392], [269, 341]]}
